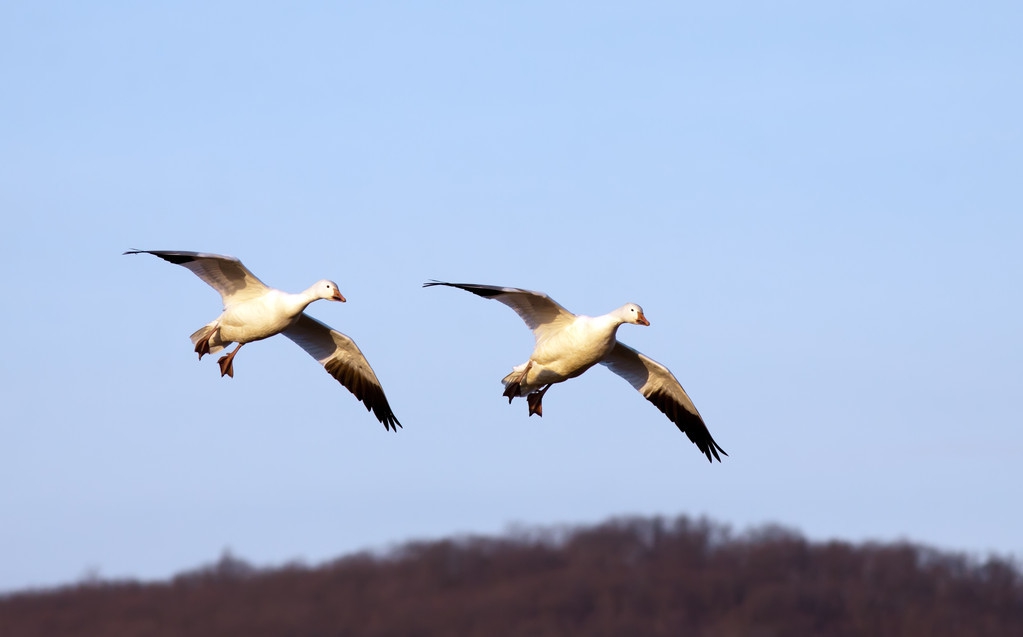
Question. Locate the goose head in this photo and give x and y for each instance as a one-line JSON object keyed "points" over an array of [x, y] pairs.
{"points": [[632, 313], [325, 289]]}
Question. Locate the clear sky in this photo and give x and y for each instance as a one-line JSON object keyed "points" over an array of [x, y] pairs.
{"points": [[819, 208]]}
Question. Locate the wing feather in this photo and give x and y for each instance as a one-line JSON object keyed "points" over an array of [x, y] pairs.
{"points": [[540, 312], [224, 274], [343, 360], [661, 388]]}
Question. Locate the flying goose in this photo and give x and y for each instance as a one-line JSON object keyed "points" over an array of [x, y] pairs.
{"points": [[253, 311], [568, 344]]}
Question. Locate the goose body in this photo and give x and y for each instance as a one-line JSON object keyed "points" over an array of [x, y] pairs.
{"points": [[568, 344], [254, 311], [261, 317], [568, 352]]}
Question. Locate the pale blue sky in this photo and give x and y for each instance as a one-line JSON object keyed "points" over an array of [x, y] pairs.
{"points": [[818, 207]]}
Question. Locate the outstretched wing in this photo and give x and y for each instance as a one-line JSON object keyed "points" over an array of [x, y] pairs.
{"points": [[343, 360], [540, 312], [660, 387], [224, 274]]}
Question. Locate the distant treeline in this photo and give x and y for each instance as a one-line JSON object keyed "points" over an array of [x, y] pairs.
{"points": [[627, 577]]}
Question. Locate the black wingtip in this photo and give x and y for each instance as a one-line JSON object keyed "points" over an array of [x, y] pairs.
{"points": [[175, 258], [689, 423], [486, 291], [384, 414], [714, 448]]}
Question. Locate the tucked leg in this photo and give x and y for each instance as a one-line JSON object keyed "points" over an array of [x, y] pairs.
{"points": [[227, 362], [534, 401], [512, 390]]}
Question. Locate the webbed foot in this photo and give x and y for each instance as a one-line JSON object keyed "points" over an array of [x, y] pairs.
{"points": [[535, 404], [514, 388], [226, 362], [203, 347], [535, 401]]}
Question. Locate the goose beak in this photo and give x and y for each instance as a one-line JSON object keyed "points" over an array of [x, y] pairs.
{"points": [[337, 296], [642, 319]]}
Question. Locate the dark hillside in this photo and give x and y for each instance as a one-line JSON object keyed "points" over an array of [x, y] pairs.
{"points": [[625, 577]]}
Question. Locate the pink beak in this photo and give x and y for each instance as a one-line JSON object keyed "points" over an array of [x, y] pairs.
{"points": [[337, 296], [642, 319]]}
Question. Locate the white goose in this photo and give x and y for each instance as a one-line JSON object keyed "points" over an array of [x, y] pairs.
{"points": [[253, 311], [568, 344]]}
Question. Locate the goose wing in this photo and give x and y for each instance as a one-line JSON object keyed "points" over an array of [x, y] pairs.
{"points": [[660, 387], [540, 312], [343, 360], [224, 274]]}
